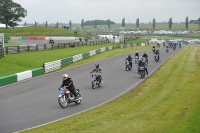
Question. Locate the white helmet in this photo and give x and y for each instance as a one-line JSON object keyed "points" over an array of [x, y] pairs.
{"points": [[65, 76], [136, 51]]}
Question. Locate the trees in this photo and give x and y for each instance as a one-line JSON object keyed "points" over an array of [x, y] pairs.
{"points": [[99, 22], [46, 24], [35, 23], [123, 22], [57, 26], [154, 23], [25, 24], [11, 13], [170, 23], [70, 24], [186, 23], [95, 23], [82, 23], [108, 23], [137, 22]]}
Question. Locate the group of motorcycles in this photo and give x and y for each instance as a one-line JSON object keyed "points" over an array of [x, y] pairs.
{"points": [[141, 68], [66, 97]]}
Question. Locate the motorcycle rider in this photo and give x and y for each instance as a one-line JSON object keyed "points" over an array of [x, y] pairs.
{"points": [[157, 53], [153, 48], [98, 70], [129, 59], [158, 46], [145, 56], [136, 56], [51, 41], [141, 63], [67, 81]]}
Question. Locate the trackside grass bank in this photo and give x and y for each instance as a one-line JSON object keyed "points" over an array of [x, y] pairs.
{"points": [[166, 102]]}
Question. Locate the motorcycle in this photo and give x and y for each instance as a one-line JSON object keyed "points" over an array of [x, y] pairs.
{"points": [[153, 50], [156, 57], [96, 80], [136, 59], [128, 66], [144, 59], [51, 41], [66, 97], [167, 50], [141, 71]]}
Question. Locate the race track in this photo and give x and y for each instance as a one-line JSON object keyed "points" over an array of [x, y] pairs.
{"points": [[35, 101]]}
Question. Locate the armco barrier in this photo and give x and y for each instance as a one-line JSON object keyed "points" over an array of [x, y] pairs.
{"points": [[37, 71], [98, 51], [5, 80]]}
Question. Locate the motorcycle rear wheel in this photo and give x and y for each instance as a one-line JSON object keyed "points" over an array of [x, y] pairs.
{"points": [[93, 85]]}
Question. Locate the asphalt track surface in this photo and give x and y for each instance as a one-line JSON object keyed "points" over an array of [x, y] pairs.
{"points": [[34, 102]]}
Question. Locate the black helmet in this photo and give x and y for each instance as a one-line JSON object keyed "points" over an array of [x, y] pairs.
{"points": [[97, 65], [129, 55]]}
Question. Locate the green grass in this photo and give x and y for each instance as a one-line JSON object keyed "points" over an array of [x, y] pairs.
{"points": [[149, 26], [14, 63], [166, 102], [138, 41], [38, 31]]}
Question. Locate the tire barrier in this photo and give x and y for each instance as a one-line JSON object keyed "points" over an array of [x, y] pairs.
{"points": [[51, 66]]}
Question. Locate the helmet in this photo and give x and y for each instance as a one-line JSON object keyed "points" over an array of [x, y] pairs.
{"points": [[65, 76], [129, 55], [97, 65], [136, 51], [144, 52]]}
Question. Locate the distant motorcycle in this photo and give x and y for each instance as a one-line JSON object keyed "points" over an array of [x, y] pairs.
{"points": [[66, 97], [51, 41], [156, 57], [96, 80], [136, 59], [128, 65], [153, 50]]}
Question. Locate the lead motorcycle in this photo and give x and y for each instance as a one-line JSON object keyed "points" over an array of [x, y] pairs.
{"points": [[141, 71], [66, 97], [128, 66], [96, 80]]}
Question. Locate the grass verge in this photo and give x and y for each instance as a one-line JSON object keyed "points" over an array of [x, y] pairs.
{"points": [[166, 102]]}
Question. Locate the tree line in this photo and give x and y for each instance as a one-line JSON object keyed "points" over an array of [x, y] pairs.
{"points": [[11, 14]]}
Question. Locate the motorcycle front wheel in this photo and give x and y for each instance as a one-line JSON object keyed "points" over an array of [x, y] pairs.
{"points": [[93, 84], [78, 101], [63, 101]]}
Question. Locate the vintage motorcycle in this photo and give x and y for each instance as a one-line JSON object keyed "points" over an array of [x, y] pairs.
{"points": [[66, 97], [96, 80]]}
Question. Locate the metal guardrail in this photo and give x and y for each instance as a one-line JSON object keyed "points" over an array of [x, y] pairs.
{"points": [[1, 51]]}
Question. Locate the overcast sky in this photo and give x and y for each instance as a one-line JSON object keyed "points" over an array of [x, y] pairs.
{"points": [[76, 10]]}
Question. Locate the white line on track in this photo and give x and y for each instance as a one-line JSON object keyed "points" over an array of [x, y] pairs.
{"points": [[132, 87]]}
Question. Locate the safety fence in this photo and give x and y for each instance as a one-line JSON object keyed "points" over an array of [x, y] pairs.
{"points": [[41, 47], [1, 52]]}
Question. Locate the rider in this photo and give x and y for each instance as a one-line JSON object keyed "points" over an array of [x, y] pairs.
{"points": [[158, 46], [136, 55], [51, 41], [97, 70], [153, 48], [157, 53], [145, 56], [67, 81], [141, 63], [129, 59]]}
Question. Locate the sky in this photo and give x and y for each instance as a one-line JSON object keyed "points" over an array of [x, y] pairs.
{"points": [[63, 11]]}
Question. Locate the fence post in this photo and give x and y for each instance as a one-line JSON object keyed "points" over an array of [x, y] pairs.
{"points": [[18, 47], [52, 46], [58, 46], [37, 47], [7, 50], [45, 46], [64, 45], [28, 48]]}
